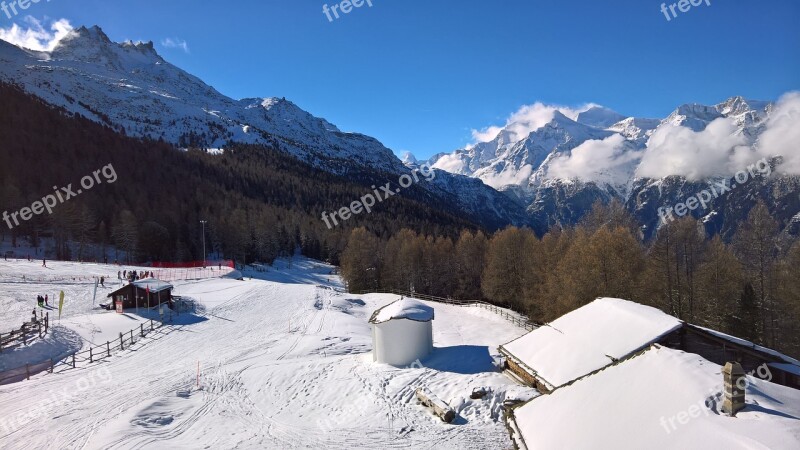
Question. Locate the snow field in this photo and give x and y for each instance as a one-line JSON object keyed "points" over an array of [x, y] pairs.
{"points": [[284, 363]]}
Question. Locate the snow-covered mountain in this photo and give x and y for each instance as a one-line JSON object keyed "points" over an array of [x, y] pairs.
{"points": [[131, 88], [548, 167], [599, 117], [528, 162], [409, 159], [561, 168]]}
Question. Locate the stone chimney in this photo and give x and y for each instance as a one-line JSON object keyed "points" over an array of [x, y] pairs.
{"points": [[735, 383]]}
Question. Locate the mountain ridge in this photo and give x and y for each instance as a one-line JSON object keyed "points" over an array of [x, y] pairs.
{"points": [[531, 173], [132, 89]]}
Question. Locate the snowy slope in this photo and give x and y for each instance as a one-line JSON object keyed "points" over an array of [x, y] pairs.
{"points": [[284, 363], [599, 117], [22, 281], [131, 88]]}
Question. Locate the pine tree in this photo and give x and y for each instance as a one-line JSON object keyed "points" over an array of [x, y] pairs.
{"points": [[672, 264], [470, 254], [361, 261], [509, 266], [719, 284], [746, 322], [788, 300], [612, 215], [756, 244], [125, 233]]}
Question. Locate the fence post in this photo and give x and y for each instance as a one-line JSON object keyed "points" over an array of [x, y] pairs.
{"points": [[52, 366], [141, 326], [27, 371], [151, 324], [121, 346], [73, 360], [90, 355], [108, 347], [131, 337]]}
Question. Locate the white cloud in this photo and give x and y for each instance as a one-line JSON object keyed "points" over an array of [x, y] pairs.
{"points": [[526, 120], [175, 43], [450, 163], [719, 150], [507, 176], [782, 136], [36, 36], [677, 150], [487, 134], [608, 159]]}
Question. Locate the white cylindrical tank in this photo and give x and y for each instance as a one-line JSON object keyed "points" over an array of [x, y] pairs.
{"points": [[402, 332]]}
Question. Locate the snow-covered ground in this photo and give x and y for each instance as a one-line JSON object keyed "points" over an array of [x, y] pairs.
{"points": [[284, 362], [21, 281]]}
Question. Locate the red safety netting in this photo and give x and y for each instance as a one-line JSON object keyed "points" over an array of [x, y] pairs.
{"points": [[191, 264]]}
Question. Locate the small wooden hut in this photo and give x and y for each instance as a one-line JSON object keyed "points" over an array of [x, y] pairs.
{"points": [[145, 293]]}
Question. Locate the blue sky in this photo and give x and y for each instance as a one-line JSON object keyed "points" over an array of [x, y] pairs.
{"points": [[420, 75]]}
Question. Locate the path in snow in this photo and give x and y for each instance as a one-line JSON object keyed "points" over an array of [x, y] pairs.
{"points": [[283, 365]]}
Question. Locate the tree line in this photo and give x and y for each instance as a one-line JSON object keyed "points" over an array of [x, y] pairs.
{"points": [[749, 287], [260, 202]]}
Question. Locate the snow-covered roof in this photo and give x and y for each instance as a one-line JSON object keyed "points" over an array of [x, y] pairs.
{"points": [[154, 284], [658, 400], [406, 308], [786, 367], [589, 338], [746, 343]]}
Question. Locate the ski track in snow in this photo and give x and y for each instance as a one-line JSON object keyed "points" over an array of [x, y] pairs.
{"points": [[282, 366]]}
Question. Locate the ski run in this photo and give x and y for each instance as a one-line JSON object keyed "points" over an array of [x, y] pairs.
{"points": [[279, 362]]}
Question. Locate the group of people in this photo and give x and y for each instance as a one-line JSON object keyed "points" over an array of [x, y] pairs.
{"points": [[132, 275], [42, 301]]}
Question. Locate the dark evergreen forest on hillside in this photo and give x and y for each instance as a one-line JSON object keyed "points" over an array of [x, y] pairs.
{"points": [[259, 202]]}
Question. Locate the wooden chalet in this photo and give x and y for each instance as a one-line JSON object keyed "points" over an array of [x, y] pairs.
{"points": [[607, 332], [146, 293]]}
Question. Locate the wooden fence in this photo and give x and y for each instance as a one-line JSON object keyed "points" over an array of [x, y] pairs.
{"points": [[37, 326], [514, 317], [89, 356]]}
